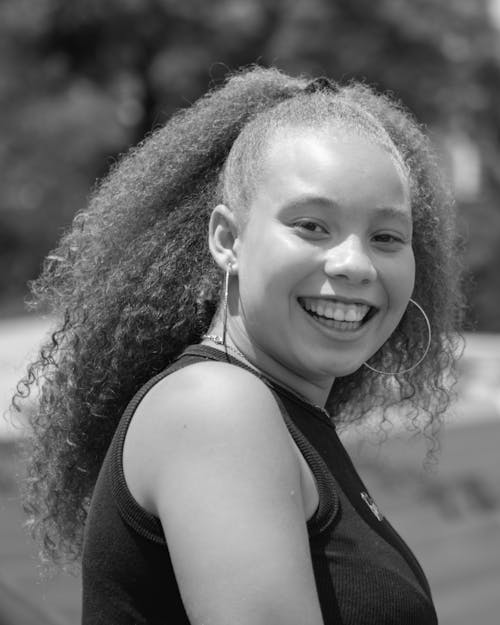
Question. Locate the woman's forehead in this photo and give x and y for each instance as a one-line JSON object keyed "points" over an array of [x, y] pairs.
{"points": [[318, 154]]}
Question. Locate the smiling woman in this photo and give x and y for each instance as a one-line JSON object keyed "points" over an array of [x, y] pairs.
{"points": [[277, 261], [329, 224]]}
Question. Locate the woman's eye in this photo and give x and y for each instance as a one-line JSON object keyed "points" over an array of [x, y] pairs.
{"points": [[310, 226], [388, 238]]}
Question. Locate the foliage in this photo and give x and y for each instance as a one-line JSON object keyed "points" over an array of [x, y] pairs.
{"points": [[81, 81]]}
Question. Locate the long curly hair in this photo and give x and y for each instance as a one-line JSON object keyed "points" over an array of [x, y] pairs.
{"points": [[132, 284]]}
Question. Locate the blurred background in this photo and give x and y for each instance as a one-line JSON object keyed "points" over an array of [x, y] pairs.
{"points": [[82, 81]]}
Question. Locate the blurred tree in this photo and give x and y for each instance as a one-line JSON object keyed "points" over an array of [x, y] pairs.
{"points": [[81, 81]]}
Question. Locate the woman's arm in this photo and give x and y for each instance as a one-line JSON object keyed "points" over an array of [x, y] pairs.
{"points": [[225, 481]]}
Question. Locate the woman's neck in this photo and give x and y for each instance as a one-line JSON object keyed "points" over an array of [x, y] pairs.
{"points": [[240, 347]]}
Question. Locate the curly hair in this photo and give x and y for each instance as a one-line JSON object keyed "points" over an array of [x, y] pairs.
{"points": [[132, 284]]}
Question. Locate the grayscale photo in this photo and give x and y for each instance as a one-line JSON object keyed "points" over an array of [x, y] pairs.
{"points": [[250, 312]]}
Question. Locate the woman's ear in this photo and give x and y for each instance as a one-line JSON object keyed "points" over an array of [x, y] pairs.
{"points": [[223, 237]]}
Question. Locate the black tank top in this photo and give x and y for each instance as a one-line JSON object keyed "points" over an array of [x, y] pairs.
{"points": [[365, 574]]}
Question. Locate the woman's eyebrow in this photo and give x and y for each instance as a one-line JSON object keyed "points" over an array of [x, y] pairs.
{"points": [[310, 200], [387, 212], [390, 212]]}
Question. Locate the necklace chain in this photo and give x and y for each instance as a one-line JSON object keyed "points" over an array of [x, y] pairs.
{"points": [[215, 338], [218, 340]]}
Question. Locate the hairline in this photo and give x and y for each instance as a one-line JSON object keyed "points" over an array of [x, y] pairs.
{"points": [[381, 139]]}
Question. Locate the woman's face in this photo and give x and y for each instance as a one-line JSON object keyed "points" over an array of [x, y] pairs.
{"points": [[325, 264]]}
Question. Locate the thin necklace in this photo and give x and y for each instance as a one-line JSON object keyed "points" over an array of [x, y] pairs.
{"points": [[215, 338]]}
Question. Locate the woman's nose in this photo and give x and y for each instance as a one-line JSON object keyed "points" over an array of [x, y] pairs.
{"points": [[350, 260]]}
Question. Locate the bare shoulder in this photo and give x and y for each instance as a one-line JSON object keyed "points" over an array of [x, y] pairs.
{"points": [[205, 406], [210, 393]]}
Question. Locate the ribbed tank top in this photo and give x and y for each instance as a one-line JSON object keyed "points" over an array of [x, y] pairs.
{"points": [[365, 574]]}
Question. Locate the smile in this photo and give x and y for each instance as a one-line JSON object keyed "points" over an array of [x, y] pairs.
{"points": [[335, 314]]}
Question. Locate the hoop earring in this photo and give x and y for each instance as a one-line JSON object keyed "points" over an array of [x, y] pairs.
{"points": [[224, 303], [420, 359]]}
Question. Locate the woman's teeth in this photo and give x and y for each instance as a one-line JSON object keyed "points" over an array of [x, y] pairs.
{"points": [[338, 311]]}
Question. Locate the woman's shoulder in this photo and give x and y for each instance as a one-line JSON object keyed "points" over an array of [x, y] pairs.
{"points": [[206, 385], [204, 406]]}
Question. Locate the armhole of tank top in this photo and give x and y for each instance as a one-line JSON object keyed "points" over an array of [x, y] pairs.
{"points": [[329, 502], [149, 526]]}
